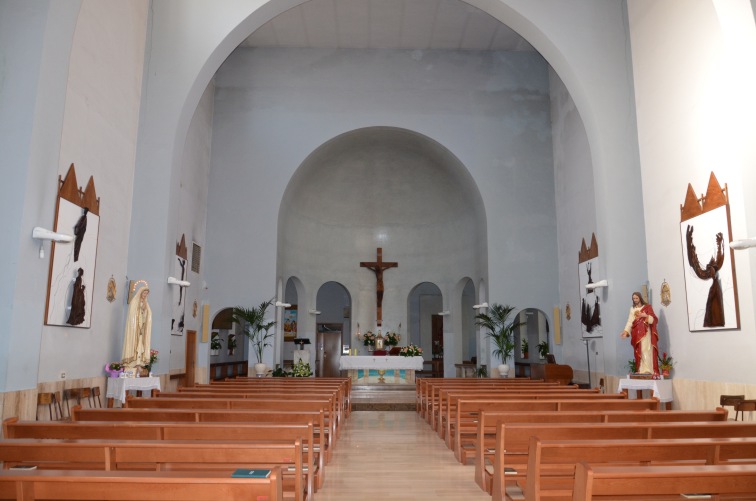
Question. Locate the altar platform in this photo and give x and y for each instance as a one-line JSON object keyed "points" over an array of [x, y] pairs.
{"points": [[366, 370], [384, 397]]}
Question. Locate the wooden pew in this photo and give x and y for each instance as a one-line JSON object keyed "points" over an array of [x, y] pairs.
{"points": [[465, 419], [434, 391], [290, 403], [663, 482], [513, 440], [551, 463], [322, 435], [341, 387], [426, 390], [160, 455], [456, 414], [485, 439], [144, 485], [341, 403], [207, 432], [447, 398]]}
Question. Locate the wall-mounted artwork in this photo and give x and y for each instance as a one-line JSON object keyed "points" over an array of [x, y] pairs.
{"points": [[70, 284], [710, 285], [290, 323], [590, 304], [179, 293]]}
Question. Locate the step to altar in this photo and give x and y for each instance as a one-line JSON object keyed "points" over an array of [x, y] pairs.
{"points": [[383, 397]]}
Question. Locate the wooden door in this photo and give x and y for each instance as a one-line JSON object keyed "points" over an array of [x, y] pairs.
{"points": [[328, 354], [437, 338], [191, 357]]}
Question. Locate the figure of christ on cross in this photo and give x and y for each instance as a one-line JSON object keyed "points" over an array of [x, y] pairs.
{"points": [[377, 267]]}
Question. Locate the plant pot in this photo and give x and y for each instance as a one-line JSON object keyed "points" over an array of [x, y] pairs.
{"points": [[214, 353], [115, 374], [260, 369], [371, 348], [503, 370], [665, 373]]}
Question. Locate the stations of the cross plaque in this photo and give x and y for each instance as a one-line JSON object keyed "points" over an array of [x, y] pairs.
{"points": [[377, 267]]}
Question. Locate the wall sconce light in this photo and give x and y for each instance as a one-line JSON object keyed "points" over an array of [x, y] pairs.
{"points": [[176, 281], [43, 234], [444, 313], [745, 243], [479, 306], [314, 312], [597, 285], [280, 304]]}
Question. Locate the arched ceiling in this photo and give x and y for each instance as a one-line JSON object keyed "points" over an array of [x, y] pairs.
{"points": [[387, 24]]}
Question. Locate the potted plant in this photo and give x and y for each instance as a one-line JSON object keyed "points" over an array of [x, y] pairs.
{"points": [[215, 344], [524, 348], [632, 367], [391, 339], [114, 369], [665, 364], [543, 349], [231, 344], [256, 328], [501, 331], [153, 360]]}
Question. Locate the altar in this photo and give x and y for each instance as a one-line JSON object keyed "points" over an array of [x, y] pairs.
{"points": [[381, 369]]}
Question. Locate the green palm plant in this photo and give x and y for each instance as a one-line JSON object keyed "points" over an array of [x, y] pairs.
{"points": [[500, 328], [255, 326]]}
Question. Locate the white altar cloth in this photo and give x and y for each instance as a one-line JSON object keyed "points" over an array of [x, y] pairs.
{"points": [[381, 363], [118, 386], [660, 388]]}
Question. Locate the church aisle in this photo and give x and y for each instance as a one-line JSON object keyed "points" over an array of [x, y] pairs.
{"points": [[395, 455]]}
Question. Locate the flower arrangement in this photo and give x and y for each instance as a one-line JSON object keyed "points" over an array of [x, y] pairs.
{"points": [[665, 362], [392, 339], [153, 359], [368, 339], [114, 369], [411, 351], [301, 369]]}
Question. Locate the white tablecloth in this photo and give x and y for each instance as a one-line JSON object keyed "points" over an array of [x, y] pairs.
{"points": [[117, 387], [660, 388], [382, 362]]}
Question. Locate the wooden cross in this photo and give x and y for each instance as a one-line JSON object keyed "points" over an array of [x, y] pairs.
{"points": [[377, 267]]}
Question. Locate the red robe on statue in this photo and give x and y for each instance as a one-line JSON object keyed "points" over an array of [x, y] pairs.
{"points": [[639, 330]]}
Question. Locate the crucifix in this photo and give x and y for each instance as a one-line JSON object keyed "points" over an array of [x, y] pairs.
{"points": [[377, 267]]}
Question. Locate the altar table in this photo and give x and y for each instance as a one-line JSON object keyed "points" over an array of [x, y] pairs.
{"points": [[376, 369], [118, 386], [660, 388]]}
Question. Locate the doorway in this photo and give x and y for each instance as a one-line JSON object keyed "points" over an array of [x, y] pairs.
{"points": [[437, 337], [328, 350]]}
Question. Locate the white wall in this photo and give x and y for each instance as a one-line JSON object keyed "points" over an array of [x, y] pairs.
{"points": [[694, 86], [576, 220], [274, 107]]}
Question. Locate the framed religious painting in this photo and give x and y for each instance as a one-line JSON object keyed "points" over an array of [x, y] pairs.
{"points": [[70, 283], [590, 304], [178, 304], [290, 323], [710, 285]]}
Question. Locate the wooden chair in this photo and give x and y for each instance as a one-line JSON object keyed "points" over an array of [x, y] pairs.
{"points": [[96, 396], [78, 394], [52, 402], [732, 400], [744, 406]]}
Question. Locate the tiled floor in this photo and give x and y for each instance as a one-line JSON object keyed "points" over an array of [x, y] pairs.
{"points": [[395, 456]]}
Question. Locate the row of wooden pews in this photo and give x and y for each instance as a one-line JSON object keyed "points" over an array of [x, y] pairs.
{"points": [[533, 442], [287, 426]]}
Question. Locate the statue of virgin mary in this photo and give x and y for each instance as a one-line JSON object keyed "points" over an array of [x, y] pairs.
{"points": [[136, 340]]}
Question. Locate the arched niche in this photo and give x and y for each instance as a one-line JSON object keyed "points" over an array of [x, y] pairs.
{"points": [[424, 325], [534, 329], [333, 327]]}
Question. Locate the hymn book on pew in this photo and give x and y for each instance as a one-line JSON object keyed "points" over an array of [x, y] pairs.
{"points": [[247, 473]]}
